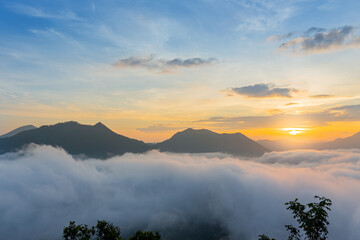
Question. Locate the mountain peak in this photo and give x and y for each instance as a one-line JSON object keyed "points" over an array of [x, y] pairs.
{"points": [[191, 130], [68, 123], [356, 134], [78, 139], [206, 141], [99, 124], [18, 130]]}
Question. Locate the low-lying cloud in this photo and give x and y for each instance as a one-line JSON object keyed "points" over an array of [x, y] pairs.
{"points": [[264, 90], [42, 188], [164, 65], [316, 40]]}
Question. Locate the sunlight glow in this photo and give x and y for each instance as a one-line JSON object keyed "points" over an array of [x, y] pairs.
{"points": [[294, 131]]}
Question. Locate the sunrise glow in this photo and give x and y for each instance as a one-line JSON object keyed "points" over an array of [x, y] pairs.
{"points": [[249, 68], [294, 131], [179, 119]]}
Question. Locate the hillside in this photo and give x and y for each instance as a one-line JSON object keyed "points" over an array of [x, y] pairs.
{"points": [[77, 139], [206, 141]]}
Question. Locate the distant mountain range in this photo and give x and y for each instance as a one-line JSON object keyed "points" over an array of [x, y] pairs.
{"points": [[18, 130], [205, 141], [340, 143], [98, 141], [92, 141], [284, 145], [344, 143]]}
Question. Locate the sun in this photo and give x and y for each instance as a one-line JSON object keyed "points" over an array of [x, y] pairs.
{"points": [[294, 131]]}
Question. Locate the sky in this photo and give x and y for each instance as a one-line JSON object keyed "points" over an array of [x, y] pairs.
{"points": [[280, 69]]}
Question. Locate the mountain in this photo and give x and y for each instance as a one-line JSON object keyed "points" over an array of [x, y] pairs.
{"points": [[206, 141], [96, 141], [18, 130], [344, 143], [285, 145]]}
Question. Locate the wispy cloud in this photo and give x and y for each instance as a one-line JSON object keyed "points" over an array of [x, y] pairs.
{"points": [[280, 37], [41, 13], [159, 128], [316, 40], [263, 90], [263, 15], [322, 96], [321, 118], [164, 65], [291, 104], [50, 32]]}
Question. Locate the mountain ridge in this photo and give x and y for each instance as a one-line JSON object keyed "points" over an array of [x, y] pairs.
{"points": [[18, 130], [206, 141], [96, 141], [349, 142], [99, 141]]}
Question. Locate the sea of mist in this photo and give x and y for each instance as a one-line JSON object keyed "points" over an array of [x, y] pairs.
{"points": [[182, 196]]}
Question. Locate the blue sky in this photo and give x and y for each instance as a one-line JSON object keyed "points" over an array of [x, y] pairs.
{"points": [[166, 65]]}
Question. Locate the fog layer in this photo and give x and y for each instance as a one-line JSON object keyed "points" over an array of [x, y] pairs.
{"points": [[42, 188]]}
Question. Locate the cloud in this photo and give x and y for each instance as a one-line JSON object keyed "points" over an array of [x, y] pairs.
{"points": [[40, 13], [263, 15], [345, 112], [159, 128], [321, 118], [163, 65], [44, 186], [313, 30], [263, 90], [317, 40], [280, 37], [291, 104], [50, 32], [322, 96], [275, 111]]}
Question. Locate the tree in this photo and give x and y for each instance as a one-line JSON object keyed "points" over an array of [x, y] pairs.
{"points": [[264, 237], [77, 232], [147, 235], [107, 231], [312, 220], [103, 231]]}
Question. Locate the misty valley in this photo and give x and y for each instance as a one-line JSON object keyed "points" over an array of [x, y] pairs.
{"points": [[179, 120], [181, 189]]}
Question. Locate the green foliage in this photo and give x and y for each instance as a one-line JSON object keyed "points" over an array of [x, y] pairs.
{"points": [[312, 217], [312, 220], [107, 231], [264, 237], [147, 235], [103, 231], [294, 232], [77, 232]]}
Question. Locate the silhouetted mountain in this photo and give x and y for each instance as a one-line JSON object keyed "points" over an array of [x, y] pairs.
{"points": [[18, 130], [285, 145], [344, 143], [205, 141], [77, 139]]}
